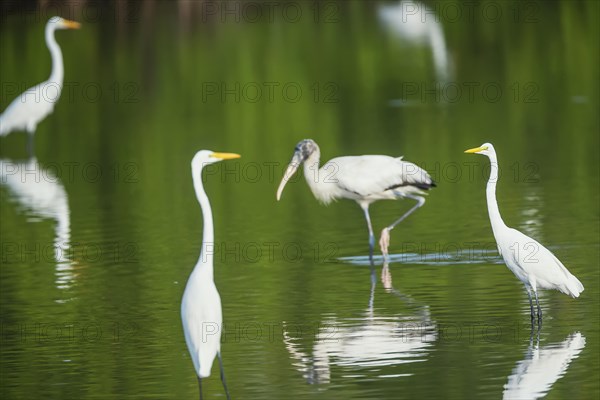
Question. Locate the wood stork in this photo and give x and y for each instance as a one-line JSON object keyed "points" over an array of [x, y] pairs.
{"points": [[201, 312], [30, 107], [364, 179], [531, 262]]}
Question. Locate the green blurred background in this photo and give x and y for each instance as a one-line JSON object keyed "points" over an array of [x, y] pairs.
{"points": [[148, 83]]}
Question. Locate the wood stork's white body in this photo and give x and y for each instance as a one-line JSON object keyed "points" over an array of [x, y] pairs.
{"points": [[531, 262], [364, 179]]}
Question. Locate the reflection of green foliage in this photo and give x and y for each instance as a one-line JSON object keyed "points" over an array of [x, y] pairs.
{"points": [[167, 69]]}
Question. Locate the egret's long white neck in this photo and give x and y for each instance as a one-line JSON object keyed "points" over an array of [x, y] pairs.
{"points": [[207, 253], [494, 212], [58, 71], [313, 176]]}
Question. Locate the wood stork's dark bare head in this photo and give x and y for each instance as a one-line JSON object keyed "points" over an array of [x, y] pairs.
{"points": [[305, 149]]}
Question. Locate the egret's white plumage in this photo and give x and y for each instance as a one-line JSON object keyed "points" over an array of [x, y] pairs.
{"points": [[531, 262], [30, 107], [364, 179], [201, 312]]}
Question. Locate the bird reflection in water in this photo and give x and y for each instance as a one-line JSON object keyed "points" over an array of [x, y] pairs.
{"points": [[374, 342], [534, 376], [41, 195]]}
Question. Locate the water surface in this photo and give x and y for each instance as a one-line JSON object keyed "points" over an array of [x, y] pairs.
{"points": [[101, 229]]}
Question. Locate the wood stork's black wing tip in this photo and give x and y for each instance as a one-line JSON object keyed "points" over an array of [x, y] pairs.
{"points": [[426, 186]]}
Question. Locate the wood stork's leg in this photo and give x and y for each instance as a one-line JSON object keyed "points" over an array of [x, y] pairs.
{"points": [[223, 375], [530, 306], [365, 208], [384, 241], [539, 309], [200, 386]]}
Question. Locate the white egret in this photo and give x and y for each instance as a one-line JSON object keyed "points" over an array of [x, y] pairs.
{"points": [[364, 179], [531, 262], [30, 107], [201, 312]]}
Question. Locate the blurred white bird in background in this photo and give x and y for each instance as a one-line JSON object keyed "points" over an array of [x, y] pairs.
{"points": [[531, 262], [201, 311], [418, 23], [30, 107], [364, 179]]}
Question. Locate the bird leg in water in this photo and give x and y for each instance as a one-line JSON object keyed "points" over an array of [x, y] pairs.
{"points": [[386, 276], [384, 241], [371, 234], [531, 306], [200, 386], [539, 309], [223, 376]]}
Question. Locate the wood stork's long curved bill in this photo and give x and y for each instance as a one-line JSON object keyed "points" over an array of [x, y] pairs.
{"points": [[289, 172]]}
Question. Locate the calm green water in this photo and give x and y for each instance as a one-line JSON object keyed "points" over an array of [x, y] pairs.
{"points": [[100, 231]]}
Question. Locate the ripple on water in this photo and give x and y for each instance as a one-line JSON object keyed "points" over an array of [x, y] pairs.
{"points": [[451, 257]]}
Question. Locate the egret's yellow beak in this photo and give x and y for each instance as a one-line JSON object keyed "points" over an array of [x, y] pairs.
{"points": [[476, 149], [225, 156], [71, 24]]}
